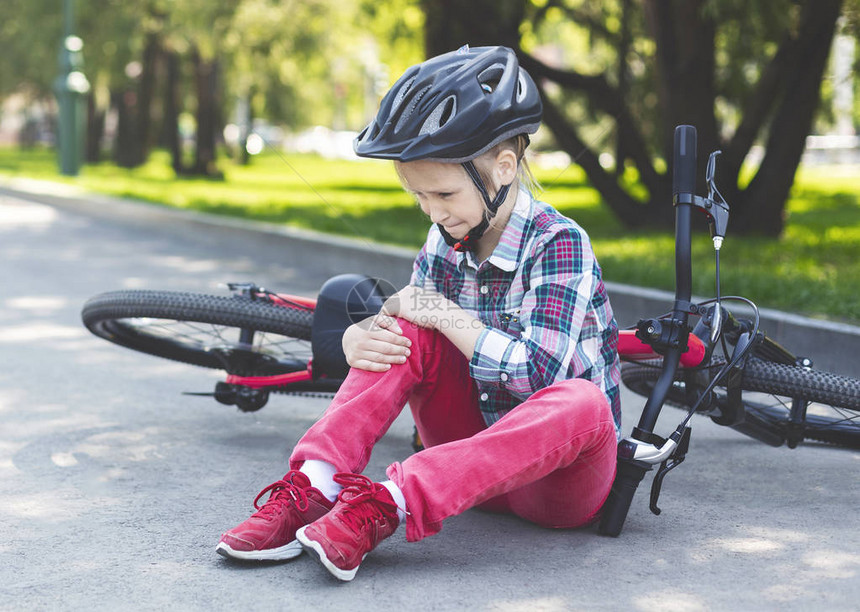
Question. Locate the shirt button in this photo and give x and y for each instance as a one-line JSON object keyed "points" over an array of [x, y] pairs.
{"points": [[484, 397], [484, 290], [504, 376]]}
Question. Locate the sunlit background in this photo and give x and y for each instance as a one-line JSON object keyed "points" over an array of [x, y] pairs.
{"points": [[144, 99]]}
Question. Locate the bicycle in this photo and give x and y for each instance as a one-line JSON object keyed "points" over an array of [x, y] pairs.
{"points": [[724, 367], [266, 342]]}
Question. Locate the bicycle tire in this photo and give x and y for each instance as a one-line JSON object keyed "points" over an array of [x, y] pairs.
{"points": [[833, 415], [203, 330]]}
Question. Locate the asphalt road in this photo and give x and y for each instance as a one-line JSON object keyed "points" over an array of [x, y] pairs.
{"points": [[114, 487]]}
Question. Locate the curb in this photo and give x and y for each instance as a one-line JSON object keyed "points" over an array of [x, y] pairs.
{"points": [[832, 346]]}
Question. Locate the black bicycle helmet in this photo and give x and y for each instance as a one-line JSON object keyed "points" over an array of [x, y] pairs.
{"points": [[453, 108]]}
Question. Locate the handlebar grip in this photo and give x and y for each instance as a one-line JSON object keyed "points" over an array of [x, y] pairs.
{"points": [[684, 161], [617, 505]]}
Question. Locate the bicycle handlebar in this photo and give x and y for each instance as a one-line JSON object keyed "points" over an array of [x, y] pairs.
{"points": [[630, 471], [684, 164], [617, 505], [684, 193]]}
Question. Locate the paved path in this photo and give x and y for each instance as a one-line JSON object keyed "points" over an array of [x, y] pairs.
{"points": [[114, 487]]}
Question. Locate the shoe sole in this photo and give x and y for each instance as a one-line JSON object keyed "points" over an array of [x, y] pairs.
{"points": [[316, 550], [282, 553]]}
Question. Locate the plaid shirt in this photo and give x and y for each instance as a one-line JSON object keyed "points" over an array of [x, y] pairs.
{"points": [[542, 299]]}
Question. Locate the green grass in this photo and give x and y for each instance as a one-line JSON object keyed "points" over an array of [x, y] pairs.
{"points": [[813, 269]]}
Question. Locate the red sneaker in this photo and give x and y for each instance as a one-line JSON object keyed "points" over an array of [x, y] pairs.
{"points": [[364, 515], [270, 533]]}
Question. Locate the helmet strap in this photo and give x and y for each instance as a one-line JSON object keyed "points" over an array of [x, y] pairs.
{"points": [[467, 242]]}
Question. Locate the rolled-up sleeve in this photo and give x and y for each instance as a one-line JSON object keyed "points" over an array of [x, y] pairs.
{"points": [[561, 282]]}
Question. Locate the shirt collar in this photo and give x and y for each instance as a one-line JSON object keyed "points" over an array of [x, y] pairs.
{"points": [[507, 254]]}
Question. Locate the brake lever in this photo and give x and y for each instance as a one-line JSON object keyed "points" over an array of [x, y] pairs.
{"points": [[715, 204], [676, 459], [710, 175]]}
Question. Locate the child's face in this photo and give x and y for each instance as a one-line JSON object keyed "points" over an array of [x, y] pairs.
{"points": [[445, 193]]}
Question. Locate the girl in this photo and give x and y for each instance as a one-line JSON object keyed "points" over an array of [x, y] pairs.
{"points": [[503, 344]]}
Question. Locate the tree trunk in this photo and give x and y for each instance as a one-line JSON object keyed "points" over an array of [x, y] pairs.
{"points": [[450, 24], [125, 142], [205, 80], [685, 69], [761, 206], [603, 97], [134, 109], [95, 131], [246, 126], [145, 95], [623, 73], [171, 113]]}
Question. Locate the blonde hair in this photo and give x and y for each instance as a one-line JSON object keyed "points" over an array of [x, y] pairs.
{"points": [[518, 145]]}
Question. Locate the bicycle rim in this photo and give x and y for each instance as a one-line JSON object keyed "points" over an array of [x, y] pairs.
{"points": [[235, 334]]}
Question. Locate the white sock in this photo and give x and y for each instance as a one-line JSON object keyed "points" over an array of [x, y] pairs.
{"points": [[321, 475], [397, 494]]}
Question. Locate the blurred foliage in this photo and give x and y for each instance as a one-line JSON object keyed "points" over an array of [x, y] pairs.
{"points": [[586, 37], [297, 59], [319, 61], [618, 75], [302, 59], [307, 62], [31, 33]]}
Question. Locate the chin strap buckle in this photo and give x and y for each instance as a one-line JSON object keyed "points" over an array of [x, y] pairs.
{"points": [[461, 245]]}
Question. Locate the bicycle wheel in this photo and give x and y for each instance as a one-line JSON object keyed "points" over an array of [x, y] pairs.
{"points": [[237, 334], [768, 388]]}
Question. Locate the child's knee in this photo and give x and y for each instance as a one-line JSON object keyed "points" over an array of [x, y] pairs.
{"points": [[580, 396]]}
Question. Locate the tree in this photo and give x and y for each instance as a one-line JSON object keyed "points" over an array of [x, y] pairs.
{"points": [[292, 62], [30, 36], [313, 62], [743, 72], [113, 39], [450, 24]]}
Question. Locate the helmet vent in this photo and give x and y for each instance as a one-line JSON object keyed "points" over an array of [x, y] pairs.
{"points": [[374, 132], [522, 87], [401, 93], [407, 112], [489, 78], [440, 115]]}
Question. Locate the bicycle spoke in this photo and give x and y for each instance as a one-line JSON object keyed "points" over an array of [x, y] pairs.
{"points": [[847, 417], [183, 330], [223, 337], [165, 329], [818, 416]]}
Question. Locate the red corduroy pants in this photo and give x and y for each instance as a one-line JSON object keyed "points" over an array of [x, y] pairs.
{"points": [[551, 460]]}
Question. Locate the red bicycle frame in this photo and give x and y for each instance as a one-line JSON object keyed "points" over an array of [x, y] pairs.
{"points": [[629, 347]]}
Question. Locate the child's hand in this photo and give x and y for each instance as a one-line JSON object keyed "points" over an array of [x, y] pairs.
{"points": [[432, 310], [375, 344], [419, 306]]}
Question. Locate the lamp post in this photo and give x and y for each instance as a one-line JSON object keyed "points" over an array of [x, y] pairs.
{"points": [[71, 87]]}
